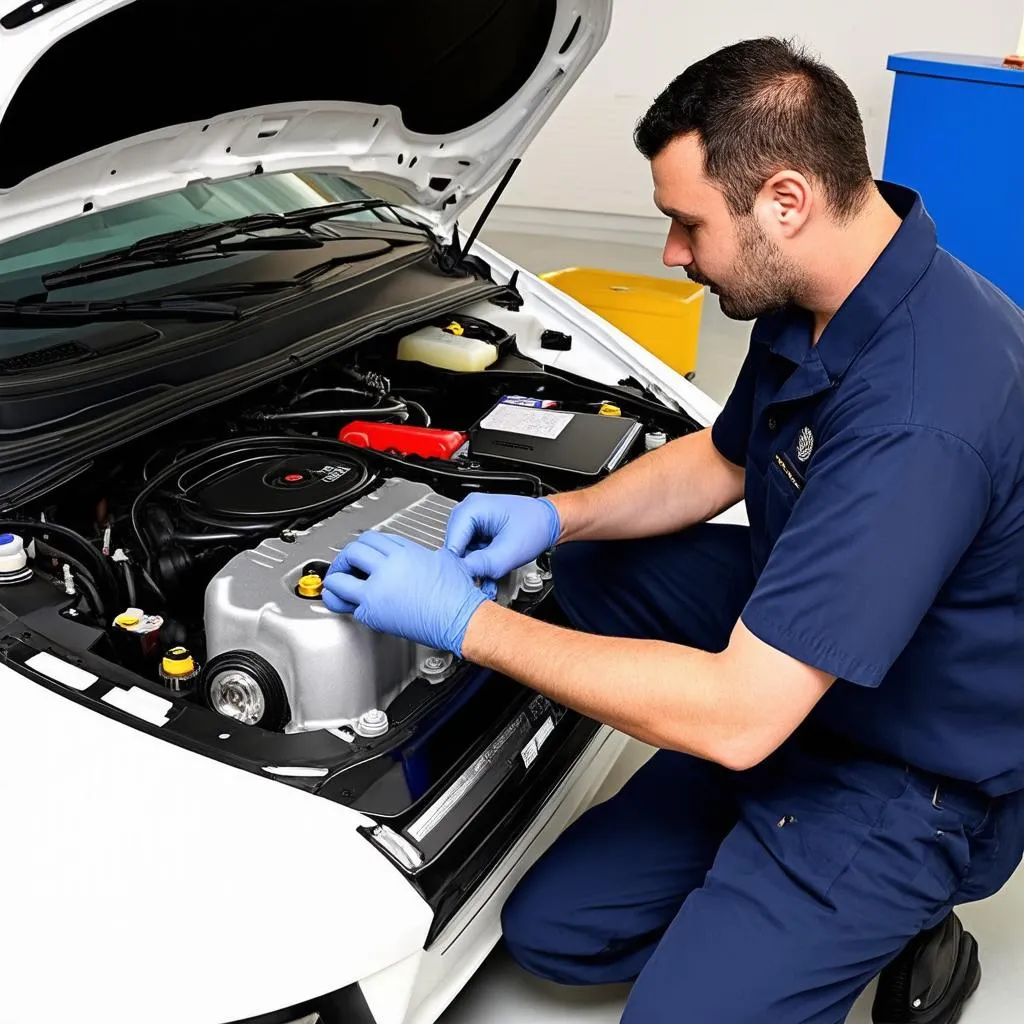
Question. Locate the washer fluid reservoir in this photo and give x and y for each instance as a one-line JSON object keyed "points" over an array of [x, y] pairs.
{"points": [[13, 559], [448, 349]]}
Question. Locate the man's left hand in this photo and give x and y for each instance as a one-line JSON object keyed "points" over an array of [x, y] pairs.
{"points": [[409, 591]]}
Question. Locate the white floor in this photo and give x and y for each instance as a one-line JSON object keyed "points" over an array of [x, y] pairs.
{"points": [[503, 994]]}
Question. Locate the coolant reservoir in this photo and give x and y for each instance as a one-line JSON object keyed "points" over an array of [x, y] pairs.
{"points": [[447, 349]]}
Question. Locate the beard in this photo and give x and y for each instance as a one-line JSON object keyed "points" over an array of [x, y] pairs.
{"points": [[764, 280]]}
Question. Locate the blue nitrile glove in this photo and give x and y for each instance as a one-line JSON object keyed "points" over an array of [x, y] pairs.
{"points": [[410, 591], [496, 533]]}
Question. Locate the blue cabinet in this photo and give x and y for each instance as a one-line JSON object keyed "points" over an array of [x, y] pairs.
{"points": [[956, 135]]}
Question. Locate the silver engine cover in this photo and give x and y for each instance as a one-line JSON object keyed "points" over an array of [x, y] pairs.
{"points": [[334, 670]]}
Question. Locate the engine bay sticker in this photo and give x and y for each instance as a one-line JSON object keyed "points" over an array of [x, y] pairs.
{"points": [[532, 749], [141, 704], [60, 671], [516, 419], [435, 813]]}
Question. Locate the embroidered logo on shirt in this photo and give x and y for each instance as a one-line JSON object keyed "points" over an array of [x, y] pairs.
{"points": [[792, 473], [805, 444]]}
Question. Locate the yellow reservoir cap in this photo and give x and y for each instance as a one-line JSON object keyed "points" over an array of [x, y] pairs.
{"points": [[127, 620], [178, 662], [609, 410], [311, 586]]}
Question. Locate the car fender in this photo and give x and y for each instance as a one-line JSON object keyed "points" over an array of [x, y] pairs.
{"points": [[141, 880]]}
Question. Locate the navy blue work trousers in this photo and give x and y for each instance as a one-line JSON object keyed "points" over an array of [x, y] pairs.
{"points": [[771, 896]]}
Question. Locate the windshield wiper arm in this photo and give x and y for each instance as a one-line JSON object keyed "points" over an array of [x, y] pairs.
{"points": [[112, 265], [192, 243], [66, 314], [207, 234]]}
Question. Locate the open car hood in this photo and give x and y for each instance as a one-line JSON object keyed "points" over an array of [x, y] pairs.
{"points": [[421, 102]]}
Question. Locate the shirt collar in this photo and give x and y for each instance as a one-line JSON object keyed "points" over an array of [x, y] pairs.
{"points": [[894, 274]]}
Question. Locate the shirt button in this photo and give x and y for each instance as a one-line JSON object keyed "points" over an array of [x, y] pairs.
{"points": [[772, 424]]}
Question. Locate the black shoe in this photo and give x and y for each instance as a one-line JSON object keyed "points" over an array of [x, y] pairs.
{"points": [[929, 982]]}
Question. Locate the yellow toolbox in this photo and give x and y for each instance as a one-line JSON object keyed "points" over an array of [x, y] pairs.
{"points": [[660, 314]]}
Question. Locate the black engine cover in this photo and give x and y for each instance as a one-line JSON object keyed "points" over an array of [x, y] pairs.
{"points": [[275, 484]]}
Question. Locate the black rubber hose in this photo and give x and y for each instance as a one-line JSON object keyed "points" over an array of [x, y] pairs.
{"points": [[101, 570], [209, 538], [424, 415], [394, 409], [153, 585], [84, 580], [229, 525], [129, 584], [361, 392], [82, 577], [236, 445]]}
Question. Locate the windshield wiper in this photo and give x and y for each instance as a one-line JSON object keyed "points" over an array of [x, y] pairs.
{"points": [[66, 314], [129, 262], [210, 241]]}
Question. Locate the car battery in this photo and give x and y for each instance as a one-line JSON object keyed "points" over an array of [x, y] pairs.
{"points": [[581, 444]]}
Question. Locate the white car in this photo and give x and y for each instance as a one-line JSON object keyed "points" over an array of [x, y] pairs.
{"points": [[238, 324]]}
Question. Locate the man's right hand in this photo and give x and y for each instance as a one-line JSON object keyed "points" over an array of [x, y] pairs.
{"points": [[496, 533]]}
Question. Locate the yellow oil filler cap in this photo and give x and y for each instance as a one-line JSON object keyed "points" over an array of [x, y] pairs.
{"points": [[607, 409], [178, 662], [311, 586], [178, 669]]}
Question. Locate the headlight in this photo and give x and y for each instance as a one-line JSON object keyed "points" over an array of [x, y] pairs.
{"points": [[246, 688], [237, 695]]}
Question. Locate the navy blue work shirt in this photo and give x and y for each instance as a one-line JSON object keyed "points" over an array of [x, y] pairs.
{"points": [[884, 472]]}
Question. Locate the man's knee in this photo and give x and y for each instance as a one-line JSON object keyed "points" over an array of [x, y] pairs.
{"points": [[558, 924], [539, 933]]}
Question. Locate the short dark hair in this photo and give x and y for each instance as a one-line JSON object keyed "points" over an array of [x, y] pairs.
{"points": [[758, 107]]}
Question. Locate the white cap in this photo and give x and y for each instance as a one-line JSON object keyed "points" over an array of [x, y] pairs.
{"points": [[12, 553]]}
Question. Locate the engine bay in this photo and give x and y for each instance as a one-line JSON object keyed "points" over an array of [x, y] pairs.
{"points": [[192, 559]]}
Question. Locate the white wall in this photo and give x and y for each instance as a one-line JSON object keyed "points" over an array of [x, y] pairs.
{"points": [[584, 159]]}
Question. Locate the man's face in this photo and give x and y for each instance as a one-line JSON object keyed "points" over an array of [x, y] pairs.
{"points": [[732, 255]]}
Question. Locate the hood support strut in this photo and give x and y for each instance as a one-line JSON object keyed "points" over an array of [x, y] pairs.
{"points": [[455, 255]]}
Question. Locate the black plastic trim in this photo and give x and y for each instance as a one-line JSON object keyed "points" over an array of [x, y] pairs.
{"points": [[495, 829], [31, 11]]}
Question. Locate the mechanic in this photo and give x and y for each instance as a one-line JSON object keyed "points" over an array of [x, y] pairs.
{"points": [[836, 690]]}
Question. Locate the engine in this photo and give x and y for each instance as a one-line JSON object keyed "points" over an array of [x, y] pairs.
{"points": [[279, 659], [193, 556]]}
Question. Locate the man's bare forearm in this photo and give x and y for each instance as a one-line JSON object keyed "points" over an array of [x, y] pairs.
{"points": [[670, 697], [684, 483], [734, 708]]}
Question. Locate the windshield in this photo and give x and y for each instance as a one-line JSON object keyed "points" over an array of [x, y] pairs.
{"points": [[24, 260]]}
